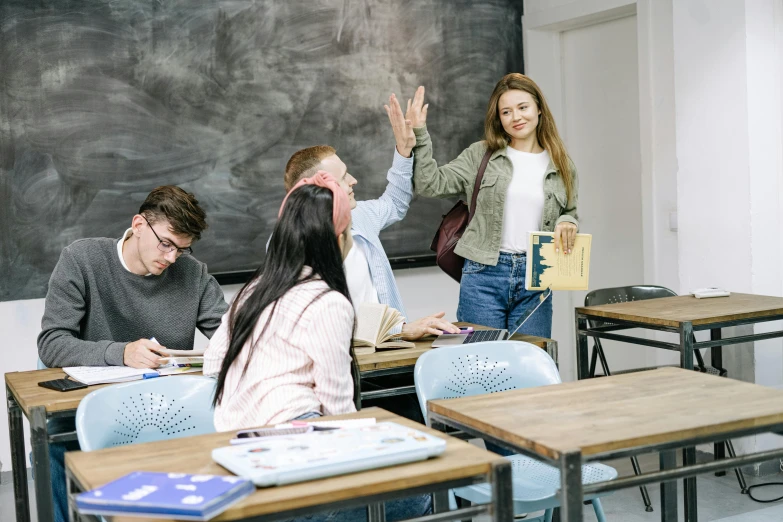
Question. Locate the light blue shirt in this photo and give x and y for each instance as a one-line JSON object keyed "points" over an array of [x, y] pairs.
{"points": [[369, 218]]}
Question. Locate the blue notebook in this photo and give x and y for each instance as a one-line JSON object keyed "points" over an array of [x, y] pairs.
{"points": [[179, 495]]}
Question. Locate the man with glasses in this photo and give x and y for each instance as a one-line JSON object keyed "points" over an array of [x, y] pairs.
{"points": [[108, 297]]}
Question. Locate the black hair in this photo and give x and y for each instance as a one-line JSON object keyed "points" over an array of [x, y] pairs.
{"points": [[303, 236]]}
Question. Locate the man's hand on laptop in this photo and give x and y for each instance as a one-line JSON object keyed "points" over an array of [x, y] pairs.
{"points": [[143, 354], [430, 325]]}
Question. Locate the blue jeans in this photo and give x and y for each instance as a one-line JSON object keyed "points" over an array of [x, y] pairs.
{"points": [[495, 296], [57, 466]]}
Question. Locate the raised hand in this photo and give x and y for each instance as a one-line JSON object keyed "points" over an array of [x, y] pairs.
{"points": [[417, 110], [402, 128]]}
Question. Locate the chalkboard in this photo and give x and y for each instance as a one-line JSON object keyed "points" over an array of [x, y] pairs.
{"points": [[103, 100]]}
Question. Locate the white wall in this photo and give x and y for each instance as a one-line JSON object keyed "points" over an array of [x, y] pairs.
{"points": [[710, 118], [424, 291]]}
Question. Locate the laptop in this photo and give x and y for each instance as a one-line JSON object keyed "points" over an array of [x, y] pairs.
{"points": [[480, 336], [279, 460]]}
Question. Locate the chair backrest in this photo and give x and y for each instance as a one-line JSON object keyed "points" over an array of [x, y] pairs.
{"points": [[622, 294], [146, 411], [481, 368]]}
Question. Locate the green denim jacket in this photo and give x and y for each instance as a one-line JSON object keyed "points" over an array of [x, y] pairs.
{"points": [[481, 240]]}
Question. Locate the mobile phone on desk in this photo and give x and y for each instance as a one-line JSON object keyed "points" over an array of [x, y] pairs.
{"points": [[253, 435], [62, 385]]}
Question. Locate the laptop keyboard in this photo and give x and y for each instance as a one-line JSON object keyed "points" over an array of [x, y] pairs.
{"points": [[479, 336]]}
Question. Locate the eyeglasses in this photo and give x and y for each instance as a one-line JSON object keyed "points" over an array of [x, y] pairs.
{"points": [[167, 246]]}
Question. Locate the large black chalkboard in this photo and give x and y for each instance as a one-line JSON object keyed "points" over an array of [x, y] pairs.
{"points": [[103, 100]]}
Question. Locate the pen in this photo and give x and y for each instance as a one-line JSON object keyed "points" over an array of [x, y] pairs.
{"points": [[150, 375]]}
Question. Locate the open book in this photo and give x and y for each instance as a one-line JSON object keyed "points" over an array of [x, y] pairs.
{"points": [[373, 326], [560, 271]]}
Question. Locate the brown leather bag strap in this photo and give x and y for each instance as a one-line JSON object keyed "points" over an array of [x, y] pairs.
{"points": [[477, 185]]}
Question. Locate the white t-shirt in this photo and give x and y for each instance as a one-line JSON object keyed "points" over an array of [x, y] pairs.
{"points": [[524, 199], [357, 273], [122, 240]]}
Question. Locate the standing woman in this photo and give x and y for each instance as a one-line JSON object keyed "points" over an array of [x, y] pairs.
{"points": [[530, 184]]}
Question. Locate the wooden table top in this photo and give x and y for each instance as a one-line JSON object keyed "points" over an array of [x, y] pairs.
{"points": [[618, 412], [193, 455], [24, 385], [672, 311], [401, 357]]}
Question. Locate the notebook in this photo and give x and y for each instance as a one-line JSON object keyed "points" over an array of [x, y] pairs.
{"points": [[90, 375], [170, 495], [296, 458]]}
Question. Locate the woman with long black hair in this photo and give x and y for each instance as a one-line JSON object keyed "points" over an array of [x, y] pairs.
{"points": [[283, 350]]}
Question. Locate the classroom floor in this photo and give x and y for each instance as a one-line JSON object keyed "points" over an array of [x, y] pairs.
{"points": [[719, 500]]}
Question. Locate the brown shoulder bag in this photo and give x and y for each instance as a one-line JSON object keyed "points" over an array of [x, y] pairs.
{"points": [[454, 223]]}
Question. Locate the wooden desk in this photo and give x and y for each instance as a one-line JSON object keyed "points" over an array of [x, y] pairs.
{"points": [[682, 315], [620, 416], [460, 464], [39, 404]]}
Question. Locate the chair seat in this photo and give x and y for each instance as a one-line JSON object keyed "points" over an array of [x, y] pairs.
{"points": [[535, 484]]}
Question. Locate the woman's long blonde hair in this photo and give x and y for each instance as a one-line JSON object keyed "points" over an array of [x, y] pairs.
{"points": [[546, 131]]}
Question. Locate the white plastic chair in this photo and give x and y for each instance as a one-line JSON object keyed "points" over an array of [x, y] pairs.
{"points": [[490, 367], [146, 411]]}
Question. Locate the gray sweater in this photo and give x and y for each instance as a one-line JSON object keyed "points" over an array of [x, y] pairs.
{"points": [[95, 307]]}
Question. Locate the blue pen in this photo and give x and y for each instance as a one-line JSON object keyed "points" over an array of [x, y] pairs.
{"points": [[150, 375]]}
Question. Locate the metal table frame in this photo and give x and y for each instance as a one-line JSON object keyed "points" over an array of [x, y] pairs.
{"points": [[40, 438], [501, 507], [686, 347], [572, 491]]}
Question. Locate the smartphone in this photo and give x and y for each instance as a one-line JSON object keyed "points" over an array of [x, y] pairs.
{"points": [[62, 385], [254, 434]]}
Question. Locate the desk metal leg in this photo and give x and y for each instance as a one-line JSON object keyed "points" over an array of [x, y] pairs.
{"points": [[39, 438], [668, 460], [551, 349], [502, 492], [571, 495], [689, 486], [688, 454], [440, 501], [582, 359], [716, 356], [686, 346], [376, 512], [18, 461]]}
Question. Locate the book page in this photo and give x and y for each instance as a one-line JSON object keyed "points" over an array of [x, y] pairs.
{"points": [[187, 353], [560, 271], [368, 323], [392, 318]]}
